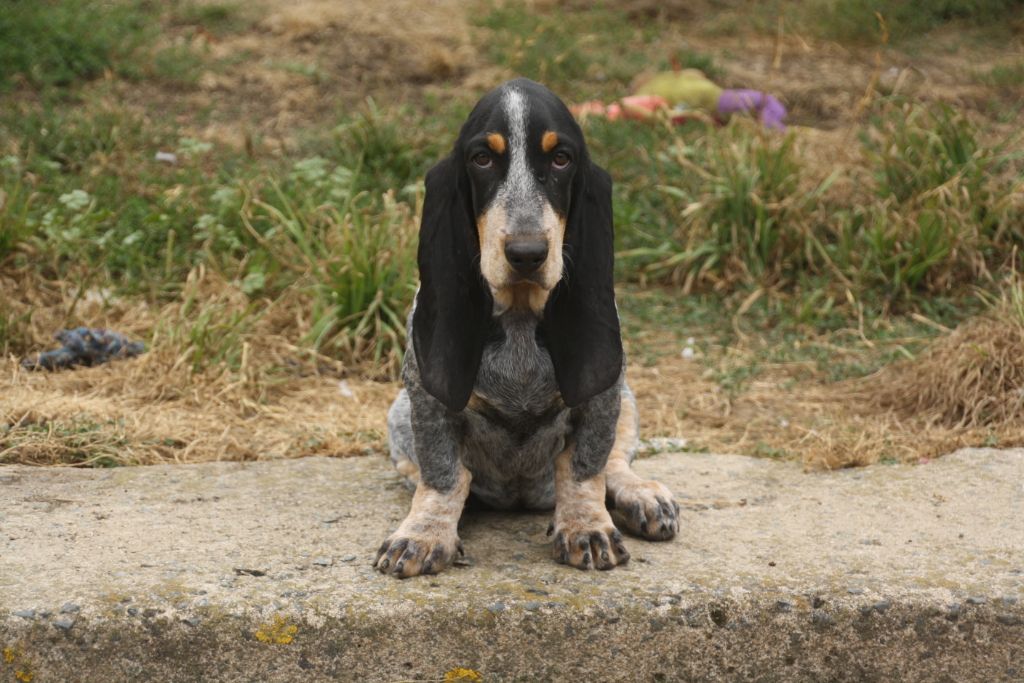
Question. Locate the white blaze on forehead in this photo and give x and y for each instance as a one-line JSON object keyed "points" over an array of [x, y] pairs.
{"points": [[519, 185]]}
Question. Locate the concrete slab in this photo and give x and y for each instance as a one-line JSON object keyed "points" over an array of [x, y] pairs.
{"points": [[261, 572]]}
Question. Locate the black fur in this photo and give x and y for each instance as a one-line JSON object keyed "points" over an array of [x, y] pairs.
{"points": [[453, 305], [581, 323]]}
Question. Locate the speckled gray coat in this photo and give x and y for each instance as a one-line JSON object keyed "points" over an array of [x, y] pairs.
{"points": [[512, 429]]}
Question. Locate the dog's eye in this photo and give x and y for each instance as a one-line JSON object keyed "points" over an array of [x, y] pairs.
{"points": [[561, 160], [483, 160]]}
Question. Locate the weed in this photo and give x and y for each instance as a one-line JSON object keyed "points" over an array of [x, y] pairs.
{"points": [[178, 65], [856, 20], [356, 259], [564, 48], [736, 188], [79, 441], [1005, 75], [380, 153], [15, 205], [918, 149], [218, 17], [943, 220], [49, 43]]}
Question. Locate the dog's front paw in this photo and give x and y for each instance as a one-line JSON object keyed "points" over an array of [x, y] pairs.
{"points": [[410, 554], [588, 541], [647, 509]]}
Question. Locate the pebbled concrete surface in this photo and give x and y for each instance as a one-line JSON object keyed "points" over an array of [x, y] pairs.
{"points": [[261, 572]]}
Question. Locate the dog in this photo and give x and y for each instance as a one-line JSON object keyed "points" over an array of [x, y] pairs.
{"points": [[514, 387]]}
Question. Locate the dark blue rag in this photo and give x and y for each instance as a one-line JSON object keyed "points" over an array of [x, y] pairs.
{"points": [[84, 346]]}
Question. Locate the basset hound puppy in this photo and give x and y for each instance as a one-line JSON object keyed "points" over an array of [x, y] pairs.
{"points": [[514, 376]]}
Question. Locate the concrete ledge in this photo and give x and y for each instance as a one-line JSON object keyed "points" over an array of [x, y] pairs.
{"points": [[261, 572]]}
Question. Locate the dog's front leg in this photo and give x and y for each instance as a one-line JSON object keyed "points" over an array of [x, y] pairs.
{"points": [[428, 540], [585, 536]]}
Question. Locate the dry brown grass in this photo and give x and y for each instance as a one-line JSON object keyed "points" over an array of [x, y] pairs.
{"points": [[280, 401], [296, 62], [258, 395], [823, 426], [972, 378], [965, 389]]}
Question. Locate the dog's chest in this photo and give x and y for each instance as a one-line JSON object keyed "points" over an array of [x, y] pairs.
{"points": [[516, 377]]}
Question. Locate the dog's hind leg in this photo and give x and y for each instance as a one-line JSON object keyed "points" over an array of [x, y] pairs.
{"points": [[400, 439], [642, 507]]}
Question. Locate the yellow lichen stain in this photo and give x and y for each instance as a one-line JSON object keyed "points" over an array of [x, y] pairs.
{"points": [[279, 632], [11, 657], [460, 674]]}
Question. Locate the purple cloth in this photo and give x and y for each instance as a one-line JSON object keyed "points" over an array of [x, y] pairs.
{"points": [[771, 111]]}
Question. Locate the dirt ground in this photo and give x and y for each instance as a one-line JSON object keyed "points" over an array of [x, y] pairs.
{"points": [[302, 61]]}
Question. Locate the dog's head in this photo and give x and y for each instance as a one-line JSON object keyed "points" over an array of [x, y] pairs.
{"points": [[517, 216], [521, 150]]}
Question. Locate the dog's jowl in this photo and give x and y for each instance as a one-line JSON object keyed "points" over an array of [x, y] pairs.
{"points": [[514, 384]]}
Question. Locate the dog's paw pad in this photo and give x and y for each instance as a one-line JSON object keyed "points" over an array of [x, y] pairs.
{"points": [[646, 509], [403, 556], [589, 546]]}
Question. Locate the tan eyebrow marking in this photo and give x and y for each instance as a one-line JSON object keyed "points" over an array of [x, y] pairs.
{"points": [[548, 142], [496, 142]]}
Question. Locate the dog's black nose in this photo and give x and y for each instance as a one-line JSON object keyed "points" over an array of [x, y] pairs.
{"points": [[526, 255]]}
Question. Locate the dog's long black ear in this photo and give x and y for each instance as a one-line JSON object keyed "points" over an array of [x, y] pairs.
{"points": [[452, 306], [581, 323]]}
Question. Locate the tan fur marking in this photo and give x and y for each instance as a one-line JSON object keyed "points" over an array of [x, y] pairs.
{"points": [[585, 536], [491, 227], [431, 525], [548, 142], [410, 470], [524, 296], [554, 230], [625, 441], [637, 499], [496, 141]]}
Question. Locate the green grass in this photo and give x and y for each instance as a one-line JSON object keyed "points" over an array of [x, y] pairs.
{"points": [[739, 207], [51, 43], [906, 23], [216, 17], [857, 20], [916, 149], [1005, 75], [87, 198], [720, 212], [817, 337], [579, 54], [735, 188], [352, 253]]}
